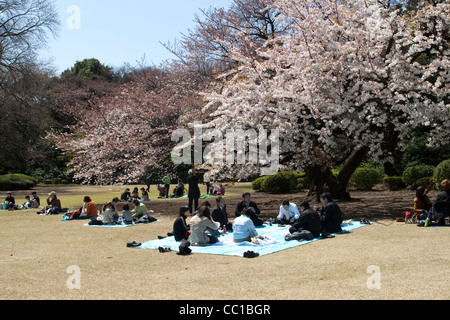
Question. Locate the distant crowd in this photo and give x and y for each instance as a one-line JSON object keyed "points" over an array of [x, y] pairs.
{"points": [[207, 222]]}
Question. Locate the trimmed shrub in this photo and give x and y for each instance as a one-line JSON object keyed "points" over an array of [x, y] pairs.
{"points": [[257, 184], [56, 180], [302, 183], [16, 182], [424, 182], [365, 178], [281, 182], [414, 173], [442, 171]]}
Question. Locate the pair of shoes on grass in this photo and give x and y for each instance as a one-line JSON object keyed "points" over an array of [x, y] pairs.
{"points": [[326, 235], [250, 254], [133, 244]]}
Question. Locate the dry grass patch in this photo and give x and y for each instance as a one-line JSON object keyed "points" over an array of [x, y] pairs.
{"points": [[37, 250]]}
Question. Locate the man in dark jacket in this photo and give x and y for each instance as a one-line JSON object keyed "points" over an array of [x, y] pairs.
{"points": [[194, 190], [253, 211], [11, 202], [220, 214], [308, 226], [330, 215]]}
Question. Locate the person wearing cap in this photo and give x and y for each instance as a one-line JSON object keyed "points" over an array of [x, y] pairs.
{"points": [[53, 202], [11, 202], [441, 206]]}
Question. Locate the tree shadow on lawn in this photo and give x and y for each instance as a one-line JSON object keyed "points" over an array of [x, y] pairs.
{"points": [[371, 205]]}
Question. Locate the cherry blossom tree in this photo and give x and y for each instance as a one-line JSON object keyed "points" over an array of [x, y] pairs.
{"points": [[118, 135], [342, 85]]}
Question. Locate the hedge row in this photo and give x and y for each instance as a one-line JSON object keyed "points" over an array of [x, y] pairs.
{"points": [[16, 182], [364, 178], [423, 174]]}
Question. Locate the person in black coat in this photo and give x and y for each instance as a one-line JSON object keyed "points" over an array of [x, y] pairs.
{"points": [[441, 206], [253, 211], [11, 202], [220, 214], [330, 215], [180, 228], [194, 190], [308, 226]]}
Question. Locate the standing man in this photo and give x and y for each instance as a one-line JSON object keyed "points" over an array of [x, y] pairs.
{"points": [[166, 181], [147, 182], [194, 190], [207, 181]]}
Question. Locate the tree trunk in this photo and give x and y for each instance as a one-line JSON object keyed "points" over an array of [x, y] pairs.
{"points": [[350, 165], [322, 180], [389, 169]]}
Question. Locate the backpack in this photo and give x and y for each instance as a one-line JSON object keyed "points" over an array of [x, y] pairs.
{"points": [[73, 215]]}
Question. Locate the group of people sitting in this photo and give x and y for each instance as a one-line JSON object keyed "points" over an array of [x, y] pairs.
{"points": [[33, 202], [109, 213], [211, 188], [208, 223], [425, 212], [53, 204], [128, 196], [30, 202]]}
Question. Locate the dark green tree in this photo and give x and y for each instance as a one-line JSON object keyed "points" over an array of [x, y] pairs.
{"points": [[91, 69]]}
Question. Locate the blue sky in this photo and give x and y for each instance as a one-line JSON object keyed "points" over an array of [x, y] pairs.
{"points": [[119, 31]]}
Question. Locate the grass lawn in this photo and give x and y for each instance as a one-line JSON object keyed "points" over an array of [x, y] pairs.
{"points": [[36, 252]]}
